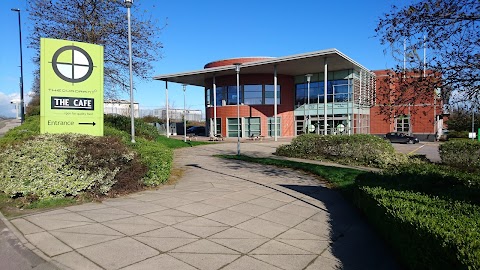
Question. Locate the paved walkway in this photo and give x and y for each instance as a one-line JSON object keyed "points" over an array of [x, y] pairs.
{"points": [[9, 124], [222, 214]]}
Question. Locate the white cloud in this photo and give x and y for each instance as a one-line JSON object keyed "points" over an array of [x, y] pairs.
{"points": [[6, 108]]}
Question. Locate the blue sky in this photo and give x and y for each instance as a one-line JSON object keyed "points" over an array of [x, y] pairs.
{"points": [[198, 32]]}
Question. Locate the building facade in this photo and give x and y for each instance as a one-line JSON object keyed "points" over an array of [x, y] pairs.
{"points": [[323, 92]]}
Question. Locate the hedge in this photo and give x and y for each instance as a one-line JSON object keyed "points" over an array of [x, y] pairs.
{"points": [[142, 129], [358, 149], [427, 213], [462, 154], [58, 165]]}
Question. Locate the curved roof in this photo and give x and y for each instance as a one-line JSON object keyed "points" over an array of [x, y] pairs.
{"points": [[293, 65]]}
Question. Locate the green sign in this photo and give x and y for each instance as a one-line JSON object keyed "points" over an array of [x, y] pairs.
{"points": [[71, 87]]}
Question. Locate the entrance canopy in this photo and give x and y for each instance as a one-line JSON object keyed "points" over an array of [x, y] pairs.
{"points": [[293, 65]]}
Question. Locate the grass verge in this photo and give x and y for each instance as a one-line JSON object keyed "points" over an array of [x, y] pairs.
{"points": [[174, 143]]}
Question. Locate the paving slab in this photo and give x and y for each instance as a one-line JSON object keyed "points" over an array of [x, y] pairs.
{"points": [[118, 253]]}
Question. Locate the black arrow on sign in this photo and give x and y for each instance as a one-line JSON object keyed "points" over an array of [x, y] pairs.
{"points": [[93, 123]]}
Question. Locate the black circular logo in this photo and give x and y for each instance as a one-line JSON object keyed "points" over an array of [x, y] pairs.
{"points": [[72, 64]]}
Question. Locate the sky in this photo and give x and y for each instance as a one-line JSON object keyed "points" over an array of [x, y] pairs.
{"points": [[198, 32]]}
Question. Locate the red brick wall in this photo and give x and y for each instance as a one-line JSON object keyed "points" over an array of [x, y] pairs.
{"points": [[284, 110], [421, 111]]}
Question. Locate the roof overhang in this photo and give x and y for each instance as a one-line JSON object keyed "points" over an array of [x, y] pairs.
{"points": [[293, 65]]}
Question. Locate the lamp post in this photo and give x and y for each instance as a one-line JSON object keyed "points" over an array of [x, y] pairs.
{"points": [[128, 4], [22, 107], [237, 70], [184, 114], [308, 102]]}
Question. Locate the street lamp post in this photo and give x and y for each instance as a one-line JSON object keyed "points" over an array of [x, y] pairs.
{"points": [[309, 76], [22, 106], [128, 4], [184, 114], [237, 70]]}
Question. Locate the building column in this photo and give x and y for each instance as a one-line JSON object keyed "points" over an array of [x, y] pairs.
{"points": [[214, 106], [275, 105], [325, 91], [166, 106]]}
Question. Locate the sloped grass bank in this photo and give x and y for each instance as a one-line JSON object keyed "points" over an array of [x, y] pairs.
{"points": [[429, 216]]}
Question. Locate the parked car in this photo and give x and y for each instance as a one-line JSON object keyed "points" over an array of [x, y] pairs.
{"points": [[196, 130], [395, 137]]}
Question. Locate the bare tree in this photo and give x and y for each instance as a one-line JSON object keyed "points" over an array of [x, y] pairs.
{"points": [[101, 22], [449, 30]]}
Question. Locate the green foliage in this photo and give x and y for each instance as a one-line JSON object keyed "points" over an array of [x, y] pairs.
{"points": [[29, 128], [462, 154], [359, 149], [54, 166], [157, 157], [460, 119], [431, 222], [457, 134], [152, 119], [123, 123]]}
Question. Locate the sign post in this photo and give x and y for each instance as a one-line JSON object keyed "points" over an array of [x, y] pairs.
{"points": [[71, 87]]}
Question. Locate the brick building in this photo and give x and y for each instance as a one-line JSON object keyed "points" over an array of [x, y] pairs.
{"points": [[300, 103]]}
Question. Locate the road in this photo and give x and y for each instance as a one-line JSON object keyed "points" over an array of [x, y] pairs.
{"points": [[429, 149]]}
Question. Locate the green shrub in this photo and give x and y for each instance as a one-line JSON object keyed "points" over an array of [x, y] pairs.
{"points": [[359, 149], [58, 165], [457, 134], [427, 231], [142, 129], [29, 128], [462, 154], [158, 159]]}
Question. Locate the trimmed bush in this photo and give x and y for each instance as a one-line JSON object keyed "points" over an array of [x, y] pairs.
{"points": [[55, 166], [142, 129], [462, 154], [157, 157], [429, 228], [358, 149]]}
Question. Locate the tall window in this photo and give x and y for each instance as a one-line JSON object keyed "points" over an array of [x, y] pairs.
{"points": [[208, 97], [301, 94], [403, 123], [220, 95], [271, 126], [232, 126], [270, 94], [252, 94], [232, 95], [219, 125], [252, 126]]}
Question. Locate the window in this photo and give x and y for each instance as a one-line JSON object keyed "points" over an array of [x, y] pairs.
{"points": [[232, 127], [341, 88], [252, 94], [403, 123], [208, 97], [219, 126], [252, 126], [300, 94], [220, 95], [270, 94], [232, 95], [271, 126]]}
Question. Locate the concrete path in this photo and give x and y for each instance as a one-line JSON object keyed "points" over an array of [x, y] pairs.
{"points": [[222, 214], [7, 124]]}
